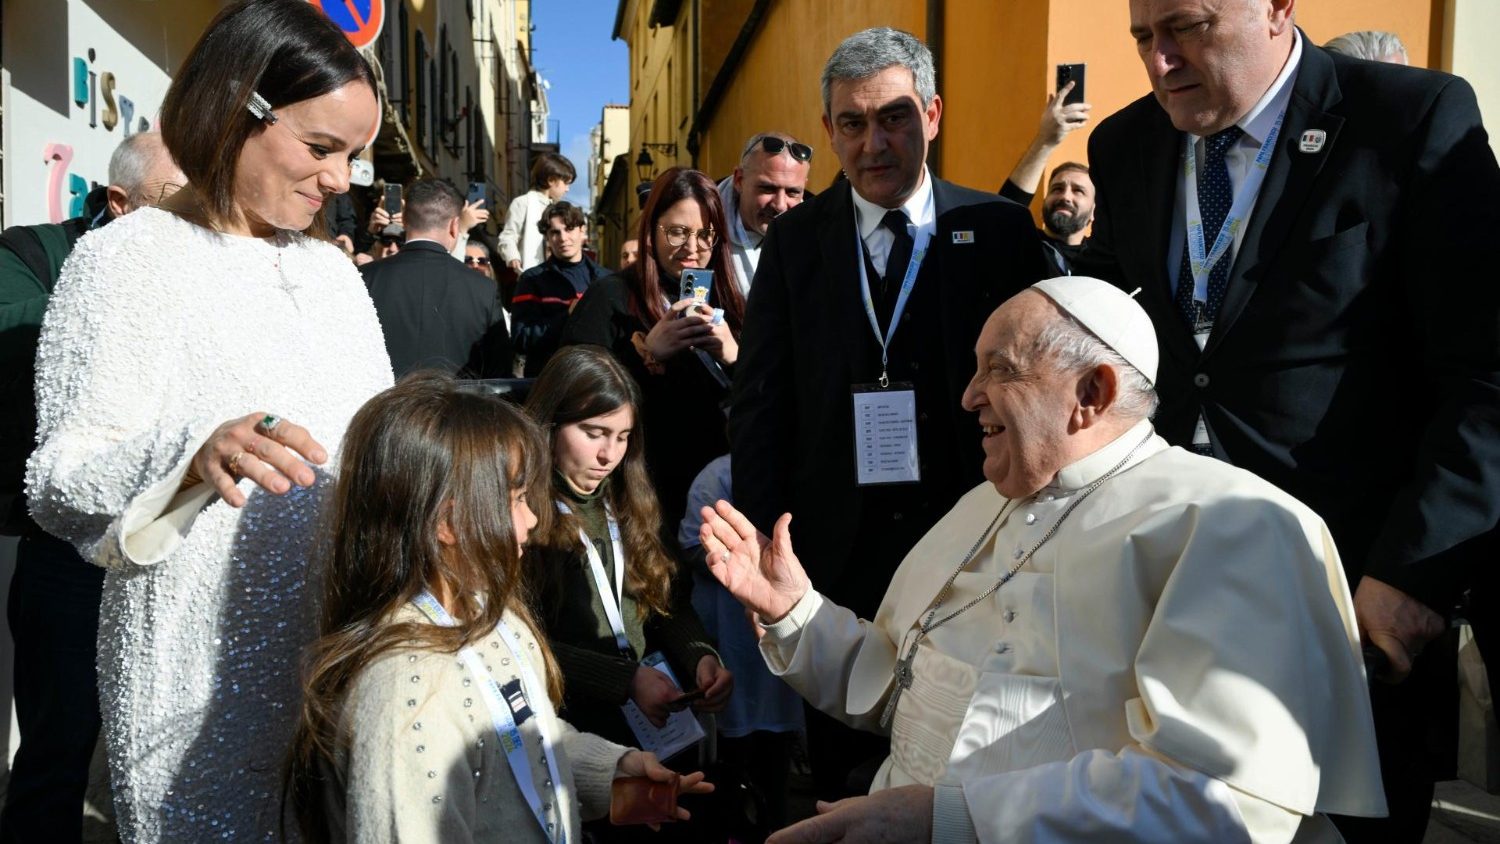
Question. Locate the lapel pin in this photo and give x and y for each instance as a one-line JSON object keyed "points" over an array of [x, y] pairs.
{"points": [[963, 237], [1312, 140]]}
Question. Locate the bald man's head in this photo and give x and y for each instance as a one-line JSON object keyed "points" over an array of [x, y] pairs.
{"points": [[141, 173]]}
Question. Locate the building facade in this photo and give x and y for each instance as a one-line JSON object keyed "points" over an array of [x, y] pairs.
{"points": [[76, 78], [611, 147], [459, 96], [707, 74]]}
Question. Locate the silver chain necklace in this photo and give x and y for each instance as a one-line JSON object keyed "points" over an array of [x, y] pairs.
{"points": [[903, 672]]}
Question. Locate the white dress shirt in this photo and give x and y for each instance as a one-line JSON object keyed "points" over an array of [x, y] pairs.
{"points": [[878, 238]]}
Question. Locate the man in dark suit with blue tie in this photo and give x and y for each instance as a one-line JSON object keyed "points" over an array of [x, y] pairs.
{"points": [[435, 312], [1291, 218], [885, 278]]}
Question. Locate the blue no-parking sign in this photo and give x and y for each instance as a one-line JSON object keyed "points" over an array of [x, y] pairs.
{"points": [[359, 19]]}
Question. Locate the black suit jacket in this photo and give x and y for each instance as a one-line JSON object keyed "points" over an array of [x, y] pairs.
{"points": [[807, 340], [1355, 362], [438, 314]]}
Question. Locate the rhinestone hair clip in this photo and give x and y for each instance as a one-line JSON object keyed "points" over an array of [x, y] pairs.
{"points": [[260, 108]]}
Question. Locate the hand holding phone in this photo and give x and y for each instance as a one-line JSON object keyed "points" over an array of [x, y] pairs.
{"points": [[392, 199], [477, 193], [696, 285], [684, 700], [1071, 73]]}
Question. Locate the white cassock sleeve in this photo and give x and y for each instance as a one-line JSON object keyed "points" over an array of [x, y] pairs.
{"points": [[1132, 795], [1250, 716], [1129, 796], [814, 648], [1246, 719]]}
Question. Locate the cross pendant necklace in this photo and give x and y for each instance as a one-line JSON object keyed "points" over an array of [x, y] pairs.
{"points": [[903, 673]]}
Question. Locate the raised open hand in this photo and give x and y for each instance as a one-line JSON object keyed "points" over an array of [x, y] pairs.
{"points": [[763, 574]]}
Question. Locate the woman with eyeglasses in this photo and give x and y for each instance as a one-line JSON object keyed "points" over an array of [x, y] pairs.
{"points": [[680, 349], [197, 367]]}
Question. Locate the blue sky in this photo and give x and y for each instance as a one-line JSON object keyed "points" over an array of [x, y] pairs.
{"points": [[572, 49]]}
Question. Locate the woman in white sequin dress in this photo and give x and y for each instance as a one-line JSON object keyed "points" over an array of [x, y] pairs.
{"points": [[163, 326]]}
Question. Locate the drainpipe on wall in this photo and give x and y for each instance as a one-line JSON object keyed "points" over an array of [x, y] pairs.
{"points": [[935, 44], [717, 88], [692, 143]]}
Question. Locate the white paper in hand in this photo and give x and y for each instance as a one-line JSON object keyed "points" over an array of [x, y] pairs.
{"points": [[682, 729]]}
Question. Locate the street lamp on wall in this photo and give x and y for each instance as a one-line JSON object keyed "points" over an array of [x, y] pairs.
{"points": [[645, 165]]}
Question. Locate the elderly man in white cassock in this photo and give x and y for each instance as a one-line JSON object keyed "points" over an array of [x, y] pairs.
{"points": [[1112, 640]]}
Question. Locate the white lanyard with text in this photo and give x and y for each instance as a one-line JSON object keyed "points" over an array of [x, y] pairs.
{"points": [[504, 718], [1201, 260], [611, 599], [918, 252]]}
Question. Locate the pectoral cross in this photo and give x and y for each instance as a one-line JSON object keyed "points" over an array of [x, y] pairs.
{"points": [[903, 675]]}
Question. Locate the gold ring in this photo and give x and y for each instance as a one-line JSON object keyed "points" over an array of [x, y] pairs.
{"points": [[234, 463]]}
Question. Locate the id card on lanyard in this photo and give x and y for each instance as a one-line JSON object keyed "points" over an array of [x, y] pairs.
{"points": [[885, 414], [682, 729], [509, 708]]}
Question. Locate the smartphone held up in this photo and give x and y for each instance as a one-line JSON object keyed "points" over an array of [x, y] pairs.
{"points": [[1071, 73]]}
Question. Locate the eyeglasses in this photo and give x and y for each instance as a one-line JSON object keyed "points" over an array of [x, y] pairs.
{"points": [[388, 240], [678, 235], [476, 260], [774, 145]]}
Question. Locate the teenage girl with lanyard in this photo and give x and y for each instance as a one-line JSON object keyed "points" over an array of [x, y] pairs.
{"points": [[608, 618], [428, 712]]}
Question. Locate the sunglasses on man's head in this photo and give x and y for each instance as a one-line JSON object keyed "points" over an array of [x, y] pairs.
{"points": [[774, 145], [476, 260]]}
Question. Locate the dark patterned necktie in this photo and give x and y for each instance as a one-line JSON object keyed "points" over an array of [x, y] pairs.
{"points": [[900, 254], [1215, 195]]}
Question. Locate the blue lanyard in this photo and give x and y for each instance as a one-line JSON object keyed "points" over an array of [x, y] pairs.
{"points": [[505, 720], [919, 251], [612, 600], [1201, 261]]}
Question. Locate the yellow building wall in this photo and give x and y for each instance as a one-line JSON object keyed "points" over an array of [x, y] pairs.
{"points": [[997, 65], [995, 97], [776, 85], [657, 106], [1473, 28], [991, 96]]}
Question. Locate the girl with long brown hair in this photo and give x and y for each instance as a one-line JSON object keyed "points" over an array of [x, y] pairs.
{"points": [[680, 352], [608, 593], [429, 704]]}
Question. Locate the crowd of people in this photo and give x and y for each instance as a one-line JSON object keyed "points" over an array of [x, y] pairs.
{"points": [[1086, 532]]}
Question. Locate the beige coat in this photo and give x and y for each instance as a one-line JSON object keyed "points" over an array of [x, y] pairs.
{"points": [[1204, 638]]}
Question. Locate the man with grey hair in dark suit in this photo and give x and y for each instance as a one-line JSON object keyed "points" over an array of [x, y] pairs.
{"points": [[858, 343], [1288, 216]]}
